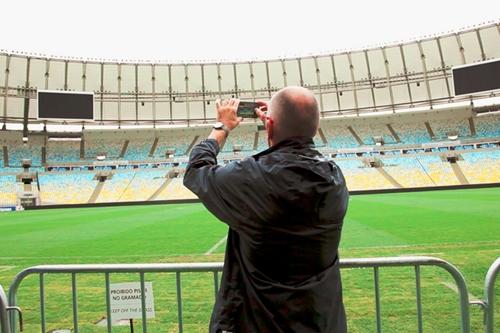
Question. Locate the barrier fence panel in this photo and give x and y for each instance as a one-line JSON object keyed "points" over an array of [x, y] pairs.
{"points": [[4, 309], [215, 268], [4, 325], [489, 296]]}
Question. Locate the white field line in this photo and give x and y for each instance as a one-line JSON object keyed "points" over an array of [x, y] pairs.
{"points": [[469, 244], [216, 246], [453, 287], [6, 268]]}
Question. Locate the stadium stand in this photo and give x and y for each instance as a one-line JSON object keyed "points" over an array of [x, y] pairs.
{"points": [[111, 148], [369, 131], [179, 140], [415, 160], [412, 133], [138, 149], [144, 184], [114, 188], [440, 172], [338, 137], [8, 190], [487, 126], [242, 136], [176, 190], [362, 177], [481, 167], [408, 172], [443, 128], [66, 188], [63, 152]]}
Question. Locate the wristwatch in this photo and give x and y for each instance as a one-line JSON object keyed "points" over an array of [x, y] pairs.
{"points": [[220, 126]]}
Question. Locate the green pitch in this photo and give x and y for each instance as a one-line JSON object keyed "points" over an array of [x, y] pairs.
{"points": [[461, 226]]}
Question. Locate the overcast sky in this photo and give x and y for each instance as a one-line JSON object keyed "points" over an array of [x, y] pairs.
{"points": [[188, 30]]}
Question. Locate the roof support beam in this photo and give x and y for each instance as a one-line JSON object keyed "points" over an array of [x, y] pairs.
{"points": [[388, 78], [101, 92], [186, 88], [26, 93], [318, 83], [370, 79], [268, 80], [252, 80], [6, 89], [153, 90], [405, 69], [119, 79], [353, 82], [424, 70], [203, 94], [283, 68], [336, 84], [480, 41], [443, 67], [170, 93]]}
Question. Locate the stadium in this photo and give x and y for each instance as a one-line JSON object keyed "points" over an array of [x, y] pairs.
{"points": [[93, 153]]}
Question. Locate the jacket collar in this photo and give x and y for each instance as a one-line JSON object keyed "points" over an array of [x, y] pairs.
{"points": [[298, 141]]}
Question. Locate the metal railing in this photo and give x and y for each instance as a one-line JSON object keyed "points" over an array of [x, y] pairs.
{"points": [[4, 324], [215, 268], [489, 296], [4, 309]]}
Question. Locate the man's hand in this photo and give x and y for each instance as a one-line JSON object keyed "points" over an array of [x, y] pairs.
{"points": [[261, 110], [226, 112]]}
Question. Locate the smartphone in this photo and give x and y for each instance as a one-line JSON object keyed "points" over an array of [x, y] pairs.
{"points": [[247, 109]]}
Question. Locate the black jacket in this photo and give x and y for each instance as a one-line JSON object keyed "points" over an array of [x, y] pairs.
{"points": [[285, 208]]}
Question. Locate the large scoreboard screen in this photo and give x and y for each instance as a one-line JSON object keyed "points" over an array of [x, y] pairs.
{"points": [[65, 105], [481, 77]]}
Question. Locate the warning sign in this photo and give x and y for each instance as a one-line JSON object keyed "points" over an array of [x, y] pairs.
{"points": [[126, 302]]}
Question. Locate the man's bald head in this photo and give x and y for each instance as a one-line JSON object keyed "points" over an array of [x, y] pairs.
{"points": [[295, 112]]}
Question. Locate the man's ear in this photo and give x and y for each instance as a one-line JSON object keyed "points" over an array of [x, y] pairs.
{"points": [[269, 130]]}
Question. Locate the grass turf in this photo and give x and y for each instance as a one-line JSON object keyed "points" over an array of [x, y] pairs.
{"points": [[461, 226]]}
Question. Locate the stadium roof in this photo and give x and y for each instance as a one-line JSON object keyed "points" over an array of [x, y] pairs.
{"points": [[225, 30]]}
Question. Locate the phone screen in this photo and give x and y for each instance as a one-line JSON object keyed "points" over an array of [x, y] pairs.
{"points": [[247, 109]]}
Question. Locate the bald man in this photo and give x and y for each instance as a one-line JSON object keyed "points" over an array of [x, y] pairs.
{"points": [[285, 208]]}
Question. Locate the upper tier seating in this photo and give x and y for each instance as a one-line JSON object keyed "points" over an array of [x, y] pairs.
{"points": [[441, 128], [367, 132], [179, 140], [140, 143], [63, 151], [240, 136], [339, 137], [138, 149], [111, 148], [412, 133], [488, 126]]}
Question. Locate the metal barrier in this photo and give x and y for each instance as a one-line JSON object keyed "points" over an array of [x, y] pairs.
{"points": [[4, 309], [178, 269], [4, 324], [489, 296]]}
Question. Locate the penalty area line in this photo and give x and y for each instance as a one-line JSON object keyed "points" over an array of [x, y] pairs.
{"points": [[216, 246]]}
